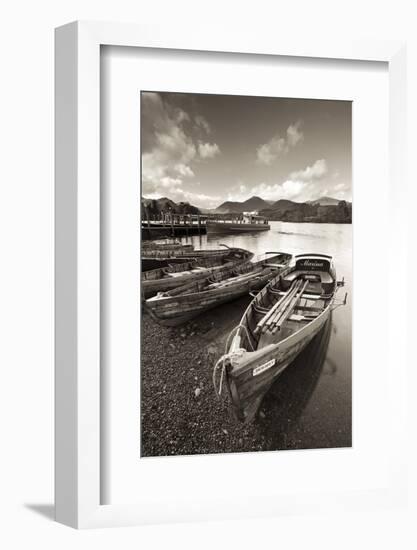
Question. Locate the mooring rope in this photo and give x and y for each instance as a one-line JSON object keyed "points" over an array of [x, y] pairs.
{"points": [[221, 362]]}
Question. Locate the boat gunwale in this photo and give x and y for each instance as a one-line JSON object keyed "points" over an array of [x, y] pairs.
{"points": [[164, 298], [230, 263], [270, 347]]}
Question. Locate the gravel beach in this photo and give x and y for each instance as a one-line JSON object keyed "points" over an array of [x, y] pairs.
{"points": [[180, 413]]}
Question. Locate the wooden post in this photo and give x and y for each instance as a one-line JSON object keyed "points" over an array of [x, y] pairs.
{"points": [[148, 222]]}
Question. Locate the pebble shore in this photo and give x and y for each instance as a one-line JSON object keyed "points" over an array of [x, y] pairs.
{"points": [[180, 413]]}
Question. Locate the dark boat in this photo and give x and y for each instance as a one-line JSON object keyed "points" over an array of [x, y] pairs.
{"points": [[155, 255], [197, 267], [248, 222], [187, 301], [166, 246], [277, 325]]}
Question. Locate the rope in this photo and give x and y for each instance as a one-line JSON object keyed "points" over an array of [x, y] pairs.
{"points": [[221, 362]]}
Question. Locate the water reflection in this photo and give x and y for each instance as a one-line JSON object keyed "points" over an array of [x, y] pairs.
{"points": [[290, 394]]}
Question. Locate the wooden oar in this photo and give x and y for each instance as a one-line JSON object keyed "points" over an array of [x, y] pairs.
{"points": [[274, 308], [288, 310], [233, 280], [283, 305]]}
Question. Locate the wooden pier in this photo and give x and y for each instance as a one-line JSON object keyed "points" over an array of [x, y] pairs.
{"points": [[173, 225], [167, 224]]}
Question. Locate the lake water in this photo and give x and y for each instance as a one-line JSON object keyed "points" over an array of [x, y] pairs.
{"points": [[312, 399]]}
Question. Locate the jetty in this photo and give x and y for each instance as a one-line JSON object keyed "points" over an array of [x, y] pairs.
{"points": [[173, 225], [168, 224]]}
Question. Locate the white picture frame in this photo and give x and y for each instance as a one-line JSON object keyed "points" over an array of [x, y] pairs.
{"points": [[77, 242]]}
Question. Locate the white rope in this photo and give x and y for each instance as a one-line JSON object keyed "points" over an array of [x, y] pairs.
{"points": [[221, 363]]}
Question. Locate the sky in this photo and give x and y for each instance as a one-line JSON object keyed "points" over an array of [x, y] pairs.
{"points": [[206, 149]]}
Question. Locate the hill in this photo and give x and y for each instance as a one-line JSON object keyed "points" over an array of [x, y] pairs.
{"points": [[289, 211], [325, 201], [235, 207], [153, 207], [322, 210]]}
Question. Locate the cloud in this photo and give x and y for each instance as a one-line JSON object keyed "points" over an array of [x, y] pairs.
{"points": [[307, 184], [177, 194], [184, 170], [268, 152], [315, 171], [288, 189], [208, 150], [294, 136], [202, 123], [168, 147]]}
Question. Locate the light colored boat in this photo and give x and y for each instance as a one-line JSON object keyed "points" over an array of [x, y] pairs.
{"points": [[278, 324], [177, 274], [187, 301]]}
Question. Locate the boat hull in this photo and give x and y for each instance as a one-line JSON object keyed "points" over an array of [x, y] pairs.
{"points": [[252, 377], [231, 227], [147, 264], [176, 310], [151, 286]]}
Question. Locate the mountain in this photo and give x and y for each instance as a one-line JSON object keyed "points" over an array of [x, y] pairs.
{"points": [[325, 201], [284, 210], [323, 210], [249, 205], [229, 207]]}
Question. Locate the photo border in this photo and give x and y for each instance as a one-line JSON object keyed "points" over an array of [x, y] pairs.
{"points": [[77, 252]]}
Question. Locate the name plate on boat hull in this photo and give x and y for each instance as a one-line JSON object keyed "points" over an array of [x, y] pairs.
{"points": [[313, 264], [263, 368]]}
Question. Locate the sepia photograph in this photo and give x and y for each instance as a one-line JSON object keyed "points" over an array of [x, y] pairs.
{"points": [[246, 273]]}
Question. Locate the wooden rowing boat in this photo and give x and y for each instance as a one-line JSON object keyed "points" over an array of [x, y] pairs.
{"points": [[197, 267], [155, 255], [169, 246], [187, 301], [277, 325], [162, 257]]}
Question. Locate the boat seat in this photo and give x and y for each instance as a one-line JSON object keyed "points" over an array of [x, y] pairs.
{"points": [[325, 276], [178, 273], [259, 309], [275, 265], [297, 317]]}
